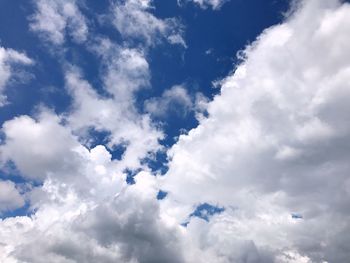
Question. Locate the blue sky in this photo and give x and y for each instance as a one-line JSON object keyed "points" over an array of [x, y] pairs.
{"points": [[174, 131]]}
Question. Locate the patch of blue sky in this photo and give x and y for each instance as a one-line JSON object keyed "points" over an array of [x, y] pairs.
{"points": [[204, 211], [130, 174], [161, 195], [158, 163], [25, 210], [10, 172]]}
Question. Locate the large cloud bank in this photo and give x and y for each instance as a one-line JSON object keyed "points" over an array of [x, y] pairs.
{"points": [[273, 151]]}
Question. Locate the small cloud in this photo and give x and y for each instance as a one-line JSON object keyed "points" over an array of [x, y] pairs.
{"points": [[55, 19], [176, 99], [204, 4], [134, 22], [209, 51]]}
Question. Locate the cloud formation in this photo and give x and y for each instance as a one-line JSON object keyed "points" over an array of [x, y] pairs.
{"points": [[175, 99], [134, 21], [91, 111], [54, 20], [276, 139], [273, 151]]}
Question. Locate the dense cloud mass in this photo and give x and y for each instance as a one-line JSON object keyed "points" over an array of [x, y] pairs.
{"points": [[272, 149], [276, 139]]}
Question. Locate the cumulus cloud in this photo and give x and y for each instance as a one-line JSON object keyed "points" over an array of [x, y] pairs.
{"points": [[274, 145], [55, 19], [134, 20], [49, 141], [68, 228], [9, 58], [78, 184], [276, 139]]}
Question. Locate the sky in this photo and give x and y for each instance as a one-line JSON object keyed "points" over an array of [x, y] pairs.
{"points": [[180, 131]]}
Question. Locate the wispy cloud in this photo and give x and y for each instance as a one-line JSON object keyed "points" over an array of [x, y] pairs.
{"points": [[135, 21], [214, 4], [54, 20], [9, 58]]}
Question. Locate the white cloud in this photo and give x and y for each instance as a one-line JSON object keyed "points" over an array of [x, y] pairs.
{"points": [[70, 229], [115, 115], [8, 59], [78, 184], [52, 147], [10, 198], [54, 19], [176, 99], [124, 70], [56, 158], [177, 39], [214, 4], [134, 20], [276, 142]]}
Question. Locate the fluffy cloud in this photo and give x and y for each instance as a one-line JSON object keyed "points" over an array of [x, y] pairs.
{"points": [[78, 185], [276, 140], [67, 228], [54, 19], [9, 58], [134, 21], [52, 147], [57, 159]]}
